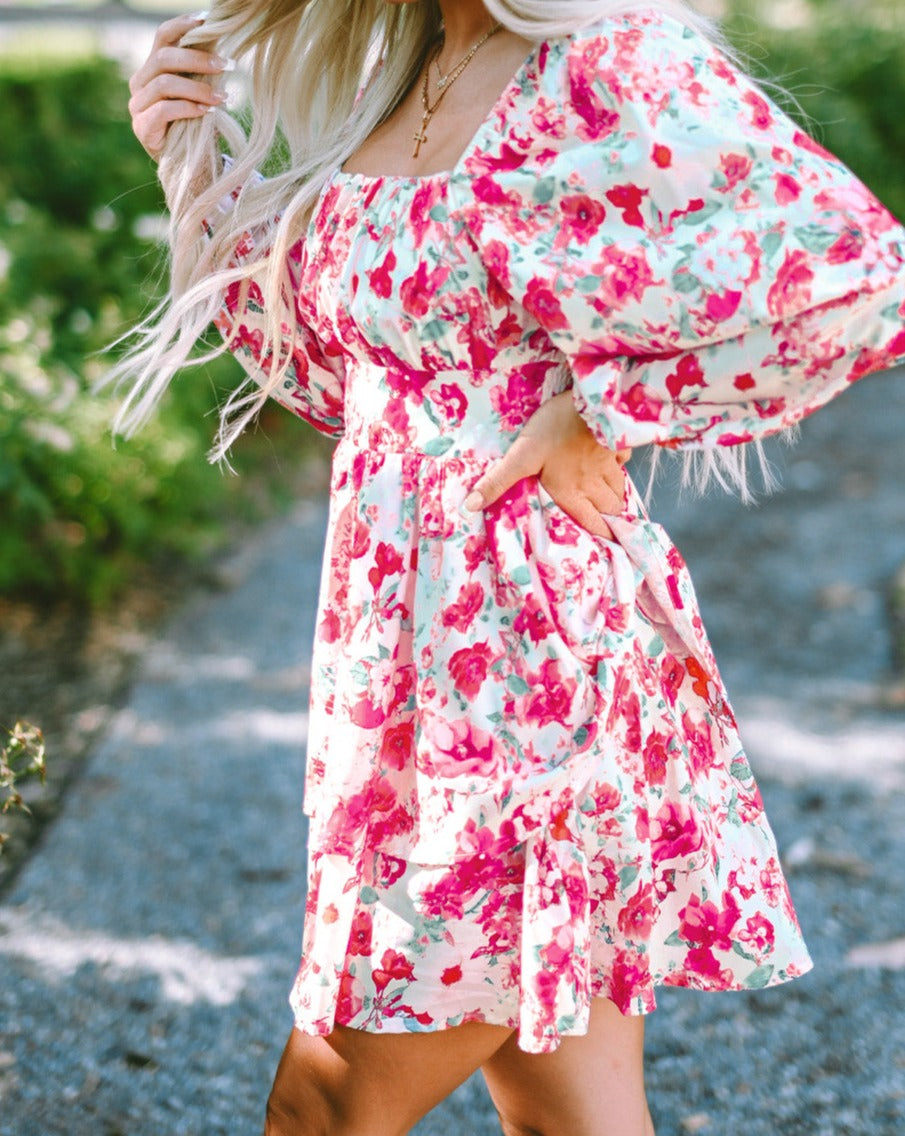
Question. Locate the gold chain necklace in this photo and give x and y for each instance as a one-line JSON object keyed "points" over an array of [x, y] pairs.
{"points": [[445, 82]]}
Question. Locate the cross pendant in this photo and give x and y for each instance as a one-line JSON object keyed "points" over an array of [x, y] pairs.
{"points": [[420, 138]]}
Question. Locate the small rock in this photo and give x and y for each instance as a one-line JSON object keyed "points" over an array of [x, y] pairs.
{"points": [[697, 1122]]}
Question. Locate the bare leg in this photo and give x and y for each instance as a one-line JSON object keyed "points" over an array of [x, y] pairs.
{"points": [[354, 1083], [591, 1085]]}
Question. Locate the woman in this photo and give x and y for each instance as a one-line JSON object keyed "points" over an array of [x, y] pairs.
{"points": [[542, 234]]}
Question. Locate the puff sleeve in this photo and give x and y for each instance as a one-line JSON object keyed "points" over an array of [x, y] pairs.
{"points": [[312, 387], [710, 272]]}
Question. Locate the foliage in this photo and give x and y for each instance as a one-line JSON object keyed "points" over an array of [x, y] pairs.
{"points": [[21, 758], [79, 210]]}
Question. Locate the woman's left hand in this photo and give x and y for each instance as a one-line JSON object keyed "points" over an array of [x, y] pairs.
{"points": [[583, 477]]}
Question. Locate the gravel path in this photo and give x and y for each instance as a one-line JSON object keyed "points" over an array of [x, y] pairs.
{"points": [[147, 946]]}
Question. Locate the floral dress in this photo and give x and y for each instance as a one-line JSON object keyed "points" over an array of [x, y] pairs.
{"points": [[525, 784]]}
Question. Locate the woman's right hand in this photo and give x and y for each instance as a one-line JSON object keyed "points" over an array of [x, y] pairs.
{"points": [[163, 89]]}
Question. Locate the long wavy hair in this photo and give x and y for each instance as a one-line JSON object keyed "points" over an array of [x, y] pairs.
{"points": [[306, 61]]}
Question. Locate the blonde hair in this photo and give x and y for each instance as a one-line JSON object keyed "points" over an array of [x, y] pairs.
{"points": [[306, 61]]}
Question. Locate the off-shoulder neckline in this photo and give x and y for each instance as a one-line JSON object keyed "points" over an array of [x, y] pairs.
{"points": [[475, 144]]}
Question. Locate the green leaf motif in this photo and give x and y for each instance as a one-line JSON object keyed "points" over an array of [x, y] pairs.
{"points": [[760, 978], [815, 238]]}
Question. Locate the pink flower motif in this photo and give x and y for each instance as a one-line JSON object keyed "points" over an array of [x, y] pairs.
{"points": [[700, 961], [707, 925], [790, 292], [674, 832], [761, 117], [519, 398], [551, 696], [532, 619], [758, 933], [468, 603], [469, 668], [625, 276], [735, 168], [787, 189], [848, 247], [721, 308], [419, 289], [461, 749]]}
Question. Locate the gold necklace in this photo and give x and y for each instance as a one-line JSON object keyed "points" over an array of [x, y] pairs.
{"points": [[445, 82]]}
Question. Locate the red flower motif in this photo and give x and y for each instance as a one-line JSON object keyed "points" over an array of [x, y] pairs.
{"points": [[381, 278], [661, 156], [582, 217], [397, 745], [636, 918], [360, 937], [628, 198], [541, 302], [451, 975], [688, 373], [387, 562], [393, 965]]}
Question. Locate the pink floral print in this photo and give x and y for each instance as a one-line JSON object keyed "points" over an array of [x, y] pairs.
{"points": [[525, 783]]}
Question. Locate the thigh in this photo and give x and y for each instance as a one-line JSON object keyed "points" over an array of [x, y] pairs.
{"points": [[590, 1086], [369, 1084]]}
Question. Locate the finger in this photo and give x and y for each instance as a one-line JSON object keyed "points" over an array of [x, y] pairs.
{"points": [[174, 87], [520, 460], [151, 127], [583, 512], [172, 31], [180, 61]]}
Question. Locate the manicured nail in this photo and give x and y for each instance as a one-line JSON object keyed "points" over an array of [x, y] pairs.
{"points": [[474, 502], [201, 16], [226, 64]]}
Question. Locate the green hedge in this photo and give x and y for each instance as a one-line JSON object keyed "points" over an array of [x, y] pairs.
{"points": [[77, 267]]}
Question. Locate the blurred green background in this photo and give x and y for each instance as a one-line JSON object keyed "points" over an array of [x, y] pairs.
{"points": [[80, 217]]}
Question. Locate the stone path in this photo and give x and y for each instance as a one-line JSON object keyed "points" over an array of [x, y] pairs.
{"points": [[147, 946]]}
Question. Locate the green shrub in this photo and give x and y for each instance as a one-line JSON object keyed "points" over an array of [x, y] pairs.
{"points": [[78, 199]]}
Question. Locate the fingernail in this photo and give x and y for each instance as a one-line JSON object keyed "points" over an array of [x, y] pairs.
{"points": [[202, 15], [227, 64], [474, 502]]}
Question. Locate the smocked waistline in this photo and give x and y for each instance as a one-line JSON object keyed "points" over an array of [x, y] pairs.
{"points": [[446, 413]]}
